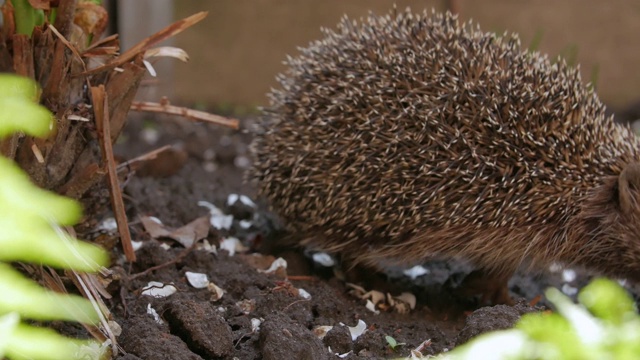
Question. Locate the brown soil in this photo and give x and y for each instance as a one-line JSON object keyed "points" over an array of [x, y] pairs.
{"points": [[195, 326]]}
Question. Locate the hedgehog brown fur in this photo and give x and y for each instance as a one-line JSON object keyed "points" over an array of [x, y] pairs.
{"points": [[410, 136]]}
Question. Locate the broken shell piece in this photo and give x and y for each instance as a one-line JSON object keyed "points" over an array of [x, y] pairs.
{"points": [[232, 245], [151, 311], [108, 225], [255, 324], [372, 307], [197, 280], [233, 198], [321, 331], [375, 296], [136, 245], [304, 294], [407, 298], [158, 289], [275, 265], [165, 246], [247, 306], [206, 246], [569, 290], [416, 272], [403, 303], [216, 291], [356, 290], [342, 356], [217, 218], [555, 267], [201, 281], [323, 259], [221, 222], [357, 330], [568, 275], [245, 224]]}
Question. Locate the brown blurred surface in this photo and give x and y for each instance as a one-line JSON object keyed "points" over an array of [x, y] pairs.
{"points": [[239, 48]]}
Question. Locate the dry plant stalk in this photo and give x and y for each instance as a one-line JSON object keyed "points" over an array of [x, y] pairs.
{"points": [[166, 108]]}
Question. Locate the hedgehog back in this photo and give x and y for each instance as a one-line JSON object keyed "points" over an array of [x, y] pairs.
{"points": [[404, 123]]}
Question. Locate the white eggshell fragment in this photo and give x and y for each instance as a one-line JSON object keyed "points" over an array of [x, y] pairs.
{"points": [[197, 280], [416, 272], [151, 311], [357, 330], [323, 259], [158, 289]]}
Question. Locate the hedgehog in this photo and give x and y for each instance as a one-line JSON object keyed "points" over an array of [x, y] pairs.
{"points": [[413, 136]]}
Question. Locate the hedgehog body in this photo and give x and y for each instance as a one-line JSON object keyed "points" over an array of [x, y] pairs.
{"points": [[410, 136]]}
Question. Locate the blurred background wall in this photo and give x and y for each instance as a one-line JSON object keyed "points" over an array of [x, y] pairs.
{"points": [[239, 48]]}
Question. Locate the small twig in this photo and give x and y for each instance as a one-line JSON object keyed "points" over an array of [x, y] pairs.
{"points": [[293, 303], [167, 32], [101, 42], [301, 278], [67, 44], [166, 108], [142, 158], [175, 260], [101, 108], [87, 284], [535, 300]]}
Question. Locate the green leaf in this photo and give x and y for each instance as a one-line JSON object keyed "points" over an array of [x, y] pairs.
{"points": [[30, 342], [608, 301], [19, 109], [16, 86], [43, 244], [16, 110], [554, 333], [21, 198], [25, 297], [25, 16], [8, 324], [391, 341], [30, 230]]}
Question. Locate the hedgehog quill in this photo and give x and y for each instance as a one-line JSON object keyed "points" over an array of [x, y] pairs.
{"points": [[406, 137]]}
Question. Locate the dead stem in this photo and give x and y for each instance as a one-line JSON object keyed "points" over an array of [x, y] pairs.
{"points": [[166, 108], [175, 260], [101, 105]]}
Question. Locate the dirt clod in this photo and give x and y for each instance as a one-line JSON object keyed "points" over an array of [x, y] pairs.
{"points": [[492, 318], [203, 329], [282, 338], [155, 344], [339, 340]]}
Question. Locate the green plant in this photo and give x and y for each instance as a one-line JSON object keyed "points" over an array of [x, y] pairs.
{"points": [[393, 343], [26, 16], [30, 219], [605, 325]]}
